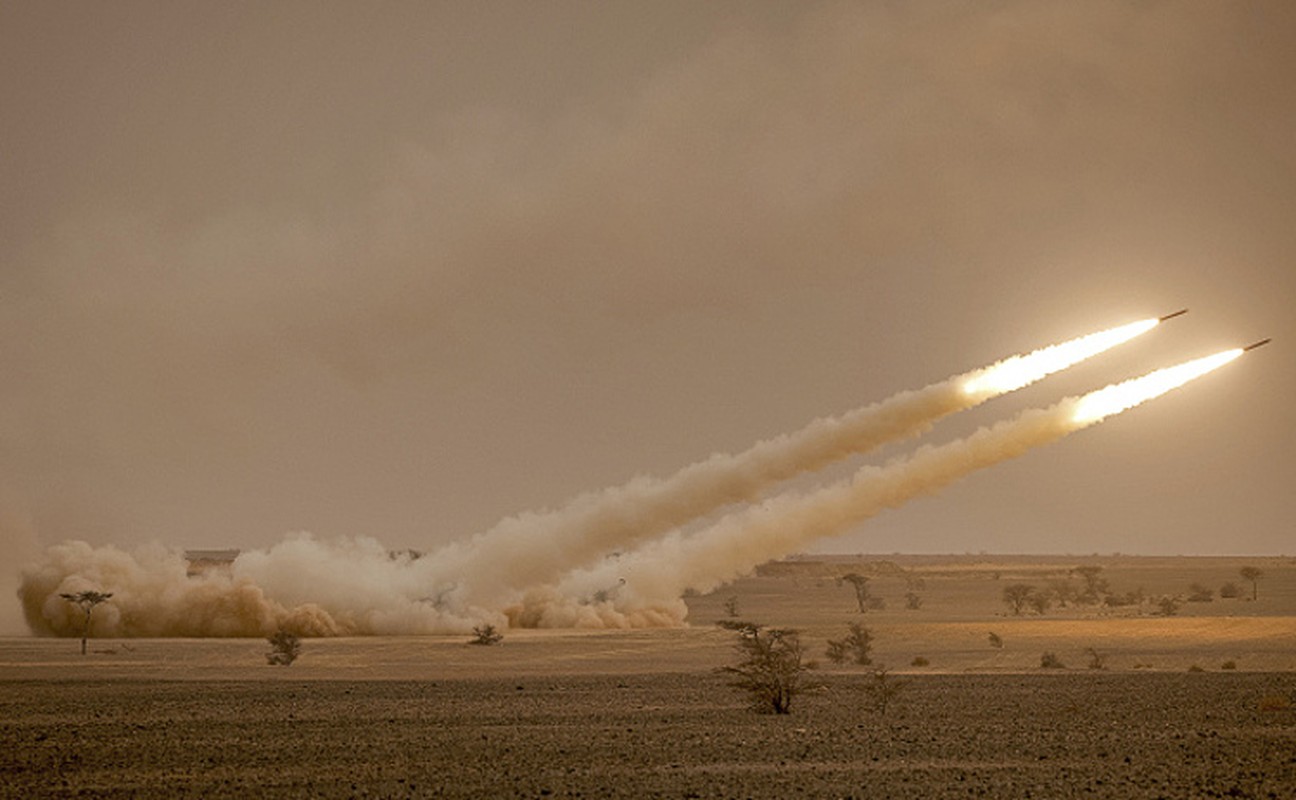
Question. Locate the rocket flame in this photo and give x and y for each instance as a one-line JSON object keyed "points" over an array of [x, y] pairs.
{"points": [[1121, 396], [1018, 371]]}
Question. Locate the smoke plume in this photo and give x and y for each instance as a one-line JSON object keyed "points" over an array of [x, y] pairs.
{"points": [[531, 549], [648, 583], [357, 586]]}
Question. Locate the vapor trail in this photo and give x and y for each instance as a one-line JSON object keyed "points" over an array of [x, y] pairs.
{"points": [[657, 574], [533, 548]]}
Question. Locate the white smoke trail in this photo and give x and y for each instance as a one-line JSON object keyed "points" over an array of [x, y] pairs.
{"points": [[530, 549], [658, 573], [357, 587]]}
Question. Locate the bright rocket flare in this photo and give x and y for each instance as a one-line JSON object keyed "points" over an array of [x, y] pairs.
{"points": [[1018, 371], [1121, 396]]}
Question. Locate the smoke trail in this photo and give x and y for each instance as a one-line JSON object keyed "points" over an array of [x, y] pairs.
{"points": [[356, 586], [531, 549], [657, 574]]}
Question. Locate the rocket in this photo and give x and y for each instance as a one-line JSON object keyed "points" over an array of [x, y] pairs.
{"points": [[1254, 345], [1178, 313]]}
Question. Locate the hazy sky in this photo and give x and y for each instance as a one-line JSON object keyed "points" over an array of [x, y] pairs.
{"points": [[401, 269]]}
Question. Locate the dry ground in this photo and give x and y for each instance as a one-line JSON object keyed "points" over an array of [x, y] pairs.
{"points": [[1126, 735], [643, 713]]}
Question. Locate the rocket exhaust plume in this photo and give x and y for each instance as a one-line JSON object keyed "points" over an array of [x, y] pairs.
{"points": [[533, 548], [658, 573], [356, 586]]}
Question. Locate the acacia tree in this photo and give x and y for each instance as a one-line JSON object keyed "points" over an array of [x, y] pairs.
{"points": [[87, 601], [1253, 574], [1095, 586], [771, 670], [1016, 596], [486, 635], [860, 584]]}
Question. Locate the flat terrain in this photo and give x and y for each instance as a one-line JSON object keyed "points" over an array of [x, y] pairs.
{"points": [[644, 714], [655, 735]]}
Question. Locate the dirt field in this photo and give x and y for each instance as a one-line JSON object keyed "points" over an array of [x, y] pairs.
{"points": [[644, 714]]}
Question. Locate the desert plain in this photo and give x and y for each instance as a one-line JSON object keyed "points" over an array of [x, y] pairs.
{"points": [[1198, 702]]}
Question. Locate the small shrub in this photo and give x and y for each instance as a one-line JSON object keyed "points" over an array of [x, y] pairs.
{"points": [[1196, 668], [995, 640], [836, 651], [882, 689], [1230, 664], [1167, 607], [913, 601], [1051, 661], [856, 646], [1039, 602], [284, 648], [1133, 598], [1230, 591], [486, 635], [919, 661], [731, 606], [1200, 594], [1097, 660], [771, 671]]}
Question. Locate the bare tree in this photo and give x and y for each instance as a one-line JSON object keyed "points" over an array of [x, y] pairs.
{"points": [[87, 601], [1252, 574], [771, 671], [731, 606]]}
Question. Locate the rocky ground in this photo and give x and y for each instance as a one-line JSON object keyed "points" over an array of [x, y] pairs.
{"points": [[1076, 734]]}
